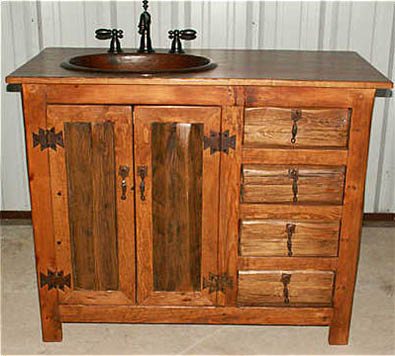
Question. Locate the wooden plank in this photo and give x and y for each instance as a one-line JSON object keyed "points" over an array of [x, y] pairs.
{"points": [[294, 156], [201, 315], [273, 126], [104, 208], [34, 106], [123, 125], [177, 163], [292, 97], [302, 212], [287, 263], [60, 205], [305, 288], [259, 237], [352, 216], [95, 297], [78, 146], [232, 120], [140, 94]]}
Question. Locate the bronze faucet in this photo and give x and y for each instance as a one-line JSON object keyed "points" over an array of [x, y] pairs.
{"points": [[145, 30]]}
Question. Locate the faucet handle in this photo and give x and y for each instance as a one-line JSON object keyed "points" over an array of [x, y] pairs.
{"points": [[178, 35], [188, 34], [103, 34], [114, 35]]}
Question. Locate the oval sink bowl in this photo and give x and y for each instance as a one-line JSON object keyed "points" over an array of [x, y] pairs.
{"points": [[143, 63]]}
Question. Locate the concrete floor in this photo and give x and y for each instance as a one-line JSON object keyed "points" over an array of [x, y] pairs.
{"points": [[372, 328]]}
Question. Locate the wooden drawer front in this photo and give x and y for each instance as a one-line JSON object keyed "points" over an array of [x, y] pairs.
{"points": [[296, 127], [288, 238], [286, 288], [287, 184]]}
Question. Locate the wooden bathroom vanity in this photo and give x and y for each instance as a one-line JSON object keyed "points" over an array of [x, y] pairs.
{"points": [[229, 196]]}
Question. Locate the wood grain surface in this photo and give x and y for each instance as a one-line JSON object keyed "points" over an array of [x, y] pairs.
{"points": [[234, 67], [201, 315], [272, 184], [270, 237], [106, 244], [144, 117], [306, 288], [350, 234], [315, 127], [177, 178], [34, 109]]}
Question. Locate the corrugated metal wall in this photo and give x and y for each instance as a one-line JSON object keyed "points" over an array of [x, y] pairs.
{"points": [[366, 27]]}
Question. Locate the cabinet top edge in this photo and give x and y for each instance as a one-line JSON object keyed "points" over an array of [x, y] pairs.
{"points": [[339, 69]]}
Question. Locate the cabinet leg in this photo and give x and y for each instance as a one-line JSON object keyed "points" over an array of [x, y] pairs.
{"points": [[339, 335], [51, 330]]}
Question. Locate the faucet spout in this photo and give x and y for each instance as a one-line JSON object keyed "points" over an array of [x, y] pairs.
{"points": [[145, 30]]}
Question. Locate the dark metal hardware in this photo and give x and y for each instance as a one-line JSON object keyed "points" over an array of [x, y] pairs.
{"points": [[48, 139], [290, 228], [178, 35], [14, 88], [296, 115], [114, 34], [217, 283], [55, 280], [219, 142], [142, 172], [285, 280], [211, 282], [123, 172], [293, 173], [145, 30]]}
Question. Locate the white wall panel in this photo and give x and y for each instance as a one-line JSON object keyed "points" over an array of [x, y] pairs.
{"points": [[366, 27]]}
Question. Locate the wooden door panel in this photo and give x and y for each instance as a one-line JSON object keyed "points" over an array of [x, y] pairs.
{"points": [[94, 227], [176, 204]]}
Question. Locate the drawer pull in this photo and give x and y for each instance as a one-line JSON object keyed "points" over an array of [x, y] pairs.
{"points": [[142, 172], [286, 279], [293, 173], [296, 115], [123, 173], [290, 231]]}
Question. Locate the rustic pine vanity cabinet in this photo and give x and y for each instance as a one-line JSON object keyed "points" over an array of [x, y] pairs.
{"points": [[230, 196]]}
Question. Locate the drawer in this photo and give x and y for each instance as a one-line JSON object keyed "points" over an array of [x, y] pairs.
{"points": [[285, 288], [292, 184], [300, 127], [288, 238]]}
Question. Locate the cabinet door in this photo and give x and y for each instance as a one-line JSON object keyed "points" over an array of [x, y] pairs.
{"points": [[176, 205], [93, 202]]}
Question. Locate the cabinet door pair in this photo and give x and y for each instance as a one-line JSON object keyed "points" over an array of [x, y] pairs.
{"points": [[135, 198]]}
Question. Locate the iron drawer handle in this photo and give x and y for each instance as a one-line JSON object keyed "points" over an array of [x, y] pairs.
{"points": [[286, 279], [293, 173], [290, 229], [123, 173], [296, 115], [142, 172]]}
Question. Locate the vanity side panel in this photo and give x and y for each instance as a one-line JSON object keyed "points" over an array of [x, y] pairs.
{"points": [[34, 107], [362, 107]]}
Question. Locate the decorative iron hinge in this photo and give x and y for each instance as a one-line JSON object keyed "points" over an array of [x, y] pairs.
{"points": [[55, 280], [219, 142], [48, 139], [217, 283]]}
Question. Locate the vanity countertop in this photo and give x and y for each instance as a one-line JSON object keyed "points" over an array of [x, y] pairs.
{"points": [[235, 67]]}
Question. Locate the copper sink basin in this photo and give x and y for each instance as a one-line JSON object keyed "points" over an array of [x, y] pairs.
{"points": [[143, 63]]}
